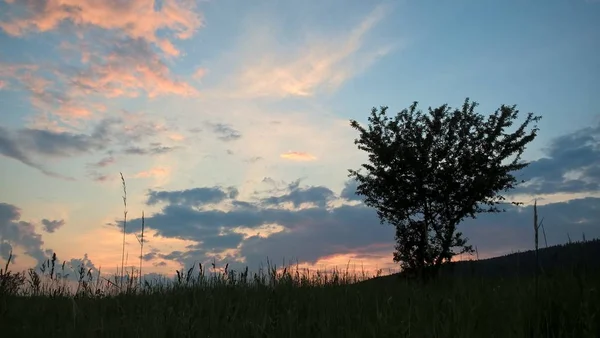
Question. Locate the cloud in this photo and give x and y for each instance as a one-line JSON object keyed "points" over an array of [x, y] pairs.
{"points": [[252, 159], [176, 137], [16, 144], [57, 144], [123, 48], [192, 197], [130, 68], [5, 250], [77, 263], [69, 93], [349, 191], [14, 232], [154, 172], [297, 156], [105, 162], [10, 148], [47, 92], [326, 231], [273, 69], [200, 73], [571, 165], [155, 150], [224, 131], [318, 196], [511, 231], [150, 255], [247, 232], [97, 177], [52, 226], [136, 19], [24, 143], [340, 230], [107, 134]]}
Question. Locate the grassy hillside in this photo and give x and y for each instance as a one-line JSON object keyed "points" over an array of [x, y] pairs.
{"points": [[572, 257]]}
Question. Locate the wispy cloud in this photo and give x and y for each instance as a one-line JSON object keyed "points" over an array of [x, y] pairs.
{"points": [[45, 92], [176, 137], [152, 150], [199, 73], [253, 159], [298, 156], [321, 63], [113, 135], [225, 132], [21, 145], [154, 172], [104, 162]]}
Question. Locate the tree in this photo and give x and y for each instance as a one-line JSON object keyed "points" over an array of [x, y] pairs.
{"points": [[428, 172]]}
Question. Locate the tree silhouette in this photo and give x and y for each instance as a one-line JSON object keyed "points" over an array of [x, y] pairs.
{"points": [[427, 172]]}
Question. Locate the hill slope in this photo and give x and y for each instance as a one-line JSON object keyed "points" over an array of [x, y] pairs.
{"points": [[580, 256]]}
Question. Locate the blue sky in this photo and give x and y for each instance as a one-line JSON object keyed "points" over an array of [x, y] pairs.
{"points": [[229, 121]]}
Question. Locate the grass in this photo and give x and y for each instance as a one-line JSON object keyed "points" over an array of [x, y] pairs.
{"points": [[291, 304], [560, 300]]}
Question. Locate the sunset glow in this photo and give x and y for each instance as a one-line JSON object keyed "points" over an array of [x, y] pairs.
{"points": [[229, 121]]}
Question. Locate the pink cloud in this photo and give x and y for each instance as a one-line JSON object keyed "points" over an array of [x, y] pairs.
{"points": [[168, 47], [298, 156], [43, 94], [10, 70], [123, 63], [199, 73], [75, 112], [135, 18], [154, 172], [176, 137], [130, 68]]}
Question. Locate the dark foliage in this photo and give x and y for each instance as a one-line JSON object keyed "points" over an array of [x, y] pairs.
{"points": [[427, 172]]}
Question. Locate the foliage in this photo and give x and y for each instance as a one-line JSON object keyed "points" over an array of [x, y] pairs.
{"points": [[427, 172]]}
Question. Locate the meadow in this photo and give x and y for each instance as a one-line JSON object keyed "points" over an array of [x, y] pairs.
{"points": [[564, 302]]}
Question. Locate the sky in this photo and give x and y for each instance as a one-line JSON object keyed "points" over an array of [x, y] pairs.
{"points": [[230, 123]]}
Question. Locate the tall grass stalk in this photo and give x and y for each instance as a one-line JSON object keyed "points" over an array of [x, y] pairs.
{"points": [[141, 241], [124, 228]]}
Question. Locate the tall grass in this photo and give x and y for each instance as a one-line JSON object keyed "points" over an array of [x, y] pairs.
{"points": [[293, 303], [124, 227]]}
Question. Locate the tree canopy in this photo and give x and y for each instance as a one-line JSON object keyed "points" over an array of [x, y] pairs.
{"points": [[426, 172]]}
